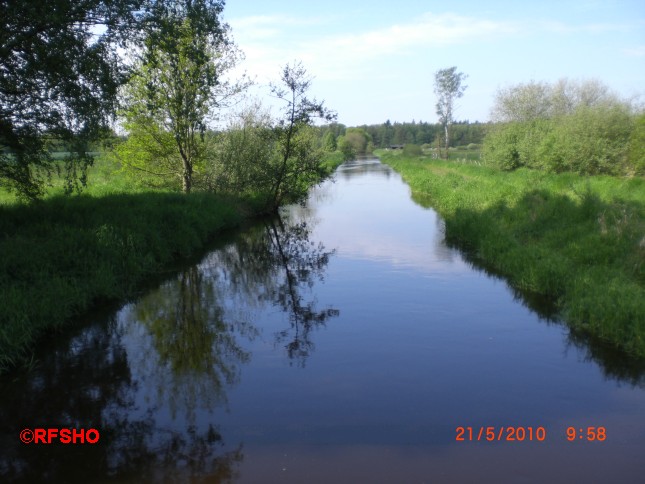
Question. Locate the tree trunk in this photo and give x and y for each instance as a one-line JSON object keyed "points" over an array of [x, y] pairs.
{"points": [[445, 127], [187, 182]]}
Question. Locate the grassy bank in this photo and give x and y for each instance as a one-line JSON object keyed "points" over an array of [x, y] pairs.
{"points": [[578, 240]]}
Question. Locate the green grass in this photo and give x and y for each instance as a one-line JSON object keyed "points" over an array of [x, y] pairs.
{"points": [[578, 240], [64, 255]]}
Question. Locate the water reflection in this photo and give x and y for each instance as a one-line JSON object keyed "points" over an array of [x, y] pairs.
{"points": [[355, 168], [190, 348], [301, 263], [151, 377], [88, 382], [278, 264]]}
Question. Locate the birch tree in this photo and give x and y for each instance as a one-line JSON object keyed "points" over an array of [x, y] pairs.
{"points": [[448, 88]]}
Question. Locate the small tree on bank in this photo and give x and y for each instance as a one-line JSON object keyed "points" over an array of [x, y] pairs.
{"points": [[565, 126], [298, 163], [448, 87], [272, 161]]}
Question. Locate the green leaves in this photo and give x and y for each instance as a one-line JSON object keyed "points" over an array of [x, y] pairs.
{"points": [[590, 140], [59, 80], [176, 88]]}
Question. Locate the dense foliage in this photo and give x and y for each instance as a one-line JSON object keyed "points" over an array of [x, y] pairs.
{"points": [[579, 127], [59, 81], [177, 86], [462, 133]]}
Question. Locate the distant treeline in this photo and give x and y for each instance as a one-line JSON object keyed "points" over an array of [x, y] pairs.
{"points": [[386, 134]]}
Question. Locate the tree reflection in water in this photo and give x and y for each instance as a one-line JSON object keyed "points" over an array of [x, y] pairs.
{"points": [[301, 262], [277, 264], [192, 353], [151, 376], [88, 381]]}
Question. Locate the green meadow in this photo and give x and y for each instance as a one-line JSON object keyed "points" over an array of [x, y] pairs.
{"points": [[578, 240]]}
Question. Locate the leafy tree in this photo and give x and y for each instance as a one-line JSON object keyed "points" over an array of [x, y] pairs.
{"points": [[243, 154], [524, 102], [177, 86], [540, 100], [346, 148], [358, 139], [448, 87], [59, 82]]}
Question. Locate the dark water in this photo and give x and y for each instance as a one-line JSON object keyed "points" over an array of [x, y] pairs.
{"points": [[343, 342]]}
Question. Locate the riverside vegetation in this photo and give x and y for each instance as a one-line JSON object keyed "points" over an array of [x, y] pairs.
{"points": [[579, 240], [63, 255], [62, 90]]}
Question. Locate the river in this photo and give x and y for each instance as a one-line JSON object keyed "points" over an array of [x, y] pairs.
{"points": [[341, 342]]}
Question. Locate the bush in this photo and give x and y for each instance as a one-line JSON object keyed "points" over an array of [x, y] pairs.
{"points": [[501, 147], [591, 140]]}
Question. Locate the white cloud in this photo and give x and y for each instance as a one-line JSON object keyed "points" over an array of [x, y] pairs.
{"points": [[638, 51], [270, 41], [595, 28]]}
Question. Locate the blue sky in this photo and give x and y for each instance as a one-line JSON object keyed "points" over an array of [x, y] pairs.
{"points": [[372, 61]]}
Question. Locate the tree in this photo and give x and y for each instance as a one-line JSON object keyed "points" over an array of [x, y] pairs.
{"points": [[243, 154], [637, 145], [358, 139], [299, 164], [59, 81], [177, 85], [346, 148], [448, 87]]}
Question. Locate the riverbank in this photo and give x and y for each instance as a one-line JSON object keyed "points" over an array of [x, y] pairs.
{"points": [[65, 255], [577, 240]]}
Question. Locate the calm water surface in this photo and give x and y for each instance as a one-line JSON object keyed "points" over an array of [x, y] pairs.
{"points": [[342, 342]]}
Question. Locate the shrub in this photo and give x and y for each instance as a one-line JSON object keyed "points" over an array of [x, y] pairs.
{"points": [[501, 147], [591, 140]]}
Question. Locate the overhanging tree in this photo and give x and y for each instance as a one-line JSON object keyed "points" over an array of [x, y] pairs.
{"points": [[298, 163], [58, 81], [448, 88]]}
